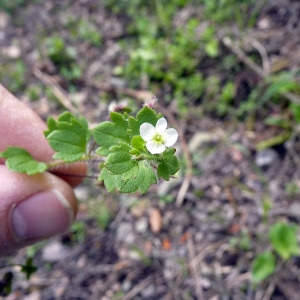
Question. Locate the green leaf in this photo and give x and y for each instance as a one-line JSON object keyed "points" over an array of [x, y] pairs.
{"points": [[137, 142], [169, 165], [146, 114], [284, 240], [147, 177], [139, 177], [51, 123], [109, 180], [19, 160], [68, 136], [263, 266], [119, 162], [119, 119], [108, 134], [102, 151]]}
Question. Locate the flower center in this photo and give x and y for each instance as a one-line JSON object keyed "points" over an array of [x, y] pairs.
{"points": [[158, 138]]}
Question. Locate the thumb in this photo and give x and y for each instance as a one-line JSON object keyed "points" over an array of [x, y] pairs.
{"points": [[33, 208]]}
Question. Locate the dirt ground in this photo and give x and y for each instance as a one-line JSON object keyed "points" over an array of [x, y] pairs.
{"points": [[172, 243]]}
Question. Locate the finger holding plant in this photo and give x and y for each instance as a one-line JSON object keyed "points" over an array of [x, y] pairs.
{"points": [[135, 150]]}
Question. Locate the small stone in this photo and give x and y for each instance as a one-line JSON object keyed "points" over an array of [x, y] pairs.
{"points": [[12, 51], [126, 285], [294, 210], [141, 225], [148, 292], [54, 252], [266, 157], [82, 193], [264, 23], [125, 233]]}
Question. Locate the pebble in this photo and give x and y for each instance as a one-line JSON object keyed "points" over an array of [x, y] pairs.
{"points": [[294, 210], [148, 292], [126, 285], [266, 157], [125, 233], [12, 51], [141, 225], [54, 252]]}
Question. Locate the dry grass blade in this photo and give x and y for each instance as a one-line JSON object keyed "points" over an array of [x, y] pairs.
{"points": [[138, 288], [194, 270], [57, 91]]}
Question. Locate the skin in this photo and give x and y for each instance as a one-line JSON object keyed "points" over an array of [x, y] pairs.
{"points": [[20, 126]]}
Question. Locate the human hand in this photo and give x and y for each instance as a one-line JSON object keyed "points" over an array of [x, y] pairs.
{"points": [[34, 207]]}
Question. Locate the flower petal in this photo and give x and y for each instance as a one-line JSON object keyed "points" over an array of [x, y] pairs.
{"points": [[147, 131], [170, 137], [155, 148], [161, 125]]}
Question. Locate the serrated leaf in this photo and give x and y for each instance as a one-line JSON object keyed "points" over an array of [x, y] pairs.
{"points": [[119, 162], [19, 160], [119, 119], [146, 114], [263, 266], [51, 124], [121, 146], [68, 136], [168, 167], [137, 142], [132, 173], [102, 151], [108, 134], [142, 177], [108, 179], [149, 176], [284, 240]]}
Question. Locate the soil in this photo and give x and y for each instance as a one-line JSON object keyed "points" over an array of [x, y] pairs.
{"points": [[171, 243]]}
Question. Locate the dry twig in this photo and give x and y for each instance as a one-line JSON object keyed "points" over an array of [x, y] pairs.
{"points": [[194, 270], [57, 91], [138, 288]]}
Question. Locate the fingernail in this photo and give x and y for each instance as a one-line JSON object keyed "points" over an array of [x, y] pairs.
{"points": [[42, 215]]}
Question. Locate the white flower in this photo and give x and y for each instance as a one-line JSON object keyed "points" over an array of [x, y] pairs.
{"points": [[158, 137]]}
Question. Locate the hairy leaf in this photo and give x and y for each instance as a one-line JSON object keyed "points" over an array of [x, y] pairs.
{"points": [[68, 136], [169, 165], [108, 134], [145, 115], [138, 178], [19, 160]]}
